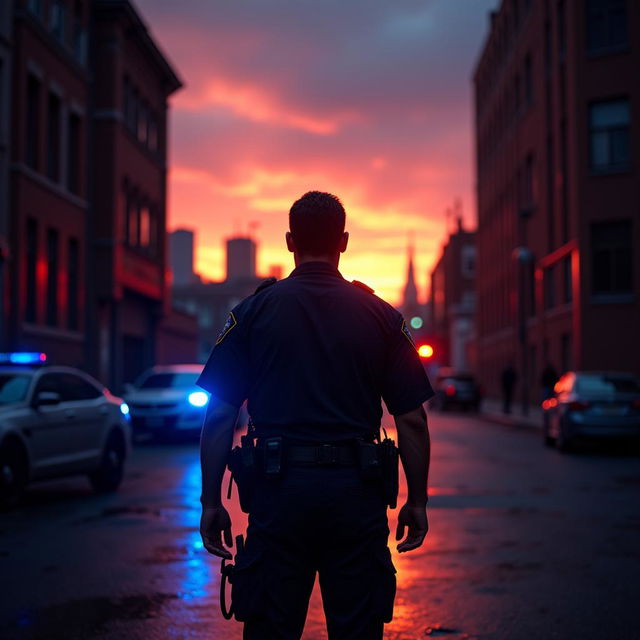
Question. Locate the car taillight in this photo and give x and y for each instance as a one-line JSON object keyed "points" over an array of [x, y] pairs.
{"points": [[450, 390], [578, 406]]}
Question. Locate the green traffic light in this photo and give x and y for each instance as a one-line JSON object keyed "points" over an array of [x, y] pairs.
{"points": [[416, 322]]}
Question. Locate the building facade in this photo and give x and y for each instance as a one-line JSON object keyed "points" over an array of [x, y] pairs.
{"points": [[133, 81], [181, 243], [85, 255], [6, 23], [48, 179], [557, 117], [452, 307]]}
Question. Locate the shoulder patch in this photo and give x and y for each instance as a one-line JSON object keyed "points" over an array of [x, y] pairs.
{"points": [[362, 285], [407, 334], [228, 325], [264, 284]]}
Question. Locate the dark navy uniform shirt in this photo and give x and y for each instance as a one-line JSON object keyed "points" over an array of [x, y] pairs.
{"points": [[314, 355]]}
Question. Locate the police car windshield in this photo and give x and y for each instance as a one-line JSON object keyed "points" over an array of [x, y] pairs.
{"points": [[169, 381], [13, 387]]}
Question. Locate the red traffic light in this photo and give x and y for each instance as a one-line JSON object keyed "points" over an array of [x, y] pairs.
{"points": [[425, 351]]}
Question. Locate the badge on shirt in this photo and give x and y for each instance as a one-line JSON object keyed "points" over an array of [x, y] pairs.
{"points": [[228, 325], [407, 333]]}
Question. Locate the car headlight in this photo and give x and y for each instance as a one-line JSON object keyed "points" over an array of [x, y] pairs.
{"points": [[198, 398], [124, 409]]}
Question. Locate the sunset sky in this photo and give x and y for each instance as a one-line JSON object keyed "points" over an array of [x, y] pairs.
{"points": [[368, 99]]}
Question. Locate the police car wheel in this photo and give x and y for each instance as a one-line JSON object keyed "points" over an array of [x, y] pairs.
{"points": [[109, 475], [13, 474]]}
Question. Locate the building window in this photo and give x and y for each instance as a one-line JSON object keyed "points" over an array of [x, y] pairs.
{"points": [[73, 283], [57, 18], [142, 124], [32, 273], [549, 284], [33, 121], [79, 35], [567, 279], [565, 352], [562, 30], [145, 227], [528, 80], [606, 26], [612, 260], [35, 7], [53, 137], [152, 138], [468, 261], [609, 135], [52, 277], [73, 154], [133, 223]]}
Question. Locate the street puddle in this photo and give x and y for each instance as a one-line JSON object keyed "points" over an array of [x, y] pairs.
{"points": [[84, 618]]}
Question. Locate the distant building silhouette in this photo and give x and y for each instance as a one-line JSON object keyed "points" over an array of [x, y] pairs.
{"points": [[558, 168], [410, 304], [211, 302], [181, 257], [452, 299], [241, 259]]}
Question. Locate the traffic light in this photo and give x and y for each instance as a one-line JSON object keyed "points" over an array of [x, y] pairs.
{"points": [[425, 351]]}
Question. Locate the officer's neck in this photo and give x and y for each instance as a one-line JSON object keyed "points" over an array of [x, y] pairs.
{"points": [[333, 259]]}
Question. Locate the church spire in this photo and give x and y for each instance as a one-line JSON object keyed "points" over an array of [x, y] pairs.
{"points": [[410, 300]]}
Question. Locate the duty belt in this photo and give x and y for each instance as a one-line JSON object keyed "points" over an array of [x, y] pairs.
{"points": [[309, 455], [322, 455]]}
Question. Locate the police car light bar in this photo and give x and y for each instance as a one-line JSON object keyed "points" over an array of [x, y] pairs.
{"points": [[23, 357]]}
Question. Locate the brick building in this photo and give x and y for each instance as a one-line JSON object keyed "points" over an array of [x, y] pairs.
{"points": [[6, 24], [452, 297], [48, 192], [132, 83], [557, 114], [87, 267]]}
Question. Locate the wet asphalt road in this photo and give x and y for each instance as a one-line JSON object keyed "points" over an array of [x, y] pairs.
{"points": [[525, 543]]}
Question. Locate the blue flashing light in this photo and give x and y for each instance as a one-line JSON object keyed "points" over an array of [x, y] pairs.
{"points": [[124, 409], [198, 398], [23, 357]]}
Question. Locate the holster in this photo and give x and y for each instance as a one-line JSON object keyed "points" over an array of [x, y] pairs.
{"points": [[378, 463], [243, 467]]}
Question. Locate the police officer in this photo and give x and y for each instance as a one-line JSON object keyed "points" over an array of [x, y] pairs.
{"points": [[314, 355]]}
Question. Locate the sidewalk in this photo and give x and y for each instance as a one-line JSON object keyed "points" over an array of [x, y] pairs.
{"points": [[492, 410]]}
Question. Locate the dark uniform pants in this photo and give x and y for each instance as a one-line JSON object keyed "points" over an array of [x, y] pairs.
{"points": [[324, 520]]}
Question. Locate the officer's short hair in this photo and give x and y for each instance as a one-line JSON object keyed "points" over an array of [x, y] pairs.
{"points": [[316, 222]]}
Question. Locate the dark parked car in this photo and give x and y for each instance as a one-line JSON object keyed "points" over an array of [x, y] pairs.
{"points": [[456, 389], [592, 405]]}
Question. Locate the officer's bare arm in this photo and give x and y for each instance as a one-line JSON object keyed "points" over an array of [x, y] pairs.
{"points": [[215, 443], [415, 448]]}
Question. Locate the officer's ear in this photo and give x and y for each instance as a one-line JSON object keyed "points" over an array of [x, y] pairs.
{"points": [[291, 245], [344, 241]]}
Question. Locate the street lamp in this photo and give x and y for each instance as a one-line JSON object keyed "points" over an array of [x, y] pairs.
{"points": [[524, 258]]}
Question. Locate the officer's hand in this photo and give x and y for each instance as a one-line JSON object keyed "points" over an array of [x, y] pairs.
{"points": [[215, 520], [416, 519]]}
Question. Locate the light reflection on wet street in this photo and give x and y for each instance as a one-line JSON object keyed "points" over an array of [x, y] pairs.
{"points": [[524, 543]]}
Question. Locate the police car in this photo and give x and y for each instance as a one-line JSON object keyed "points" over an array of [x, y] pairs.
{"points": [[165, 401], [57, 421]]}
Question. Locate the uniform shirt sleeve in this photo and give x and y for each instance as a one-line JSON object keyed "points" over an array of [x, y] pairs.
{"points": [[406, 385], [226, 373]]}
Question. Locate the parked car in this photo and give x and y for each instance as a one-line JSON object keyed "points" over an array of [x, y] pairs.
{"points": [[456, 389], [592, 405], [165, 401], [57, 421]]}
